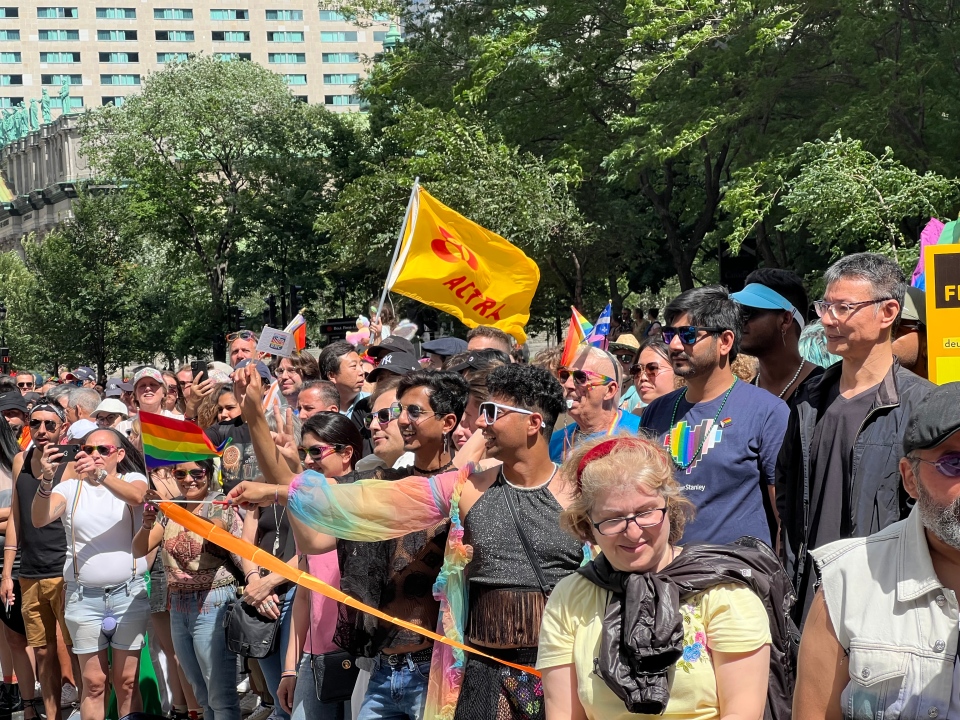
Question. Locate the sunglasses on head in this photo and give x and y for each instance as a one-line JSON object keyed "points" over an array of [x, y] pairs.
{"points": [[318, 452], [583, 377], [414, 412], [688, 334], [50, 425], [195, 474], [491, 411], [101, 450], [383, 416], [241, 335]]}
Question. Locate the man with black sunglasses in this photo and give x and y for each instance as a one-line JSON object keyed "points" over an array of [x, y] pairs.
{"points": [[591, 389], [723, 434]]}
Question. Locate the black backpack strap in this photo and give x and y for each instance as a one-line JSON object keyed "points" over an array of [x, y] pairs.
{"points": [[544, 588]]}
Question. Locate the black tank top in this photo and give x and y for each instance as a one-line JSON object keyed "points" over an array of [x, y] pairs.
{"points": [[43, 551]]}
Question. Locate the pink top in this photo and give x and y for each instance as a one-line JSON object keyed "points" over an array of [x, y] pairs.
{"points": [[323, 610]]}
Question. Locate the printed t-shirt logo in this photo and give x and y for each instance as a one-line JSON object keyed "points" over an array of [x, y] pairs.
{"points": [[683, 440]]}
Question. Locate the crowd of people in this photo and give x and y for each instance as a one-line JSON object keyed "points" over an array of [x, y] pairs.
{"points": [[587, 520]]}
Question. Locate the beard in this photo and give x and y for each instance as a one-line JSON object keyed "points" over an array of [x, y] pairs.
{"points": [[695, 365], [942, 520]]}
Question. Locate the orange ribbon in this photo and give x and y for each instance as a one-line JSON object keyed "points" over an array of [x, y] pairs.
{"points": [[251, 552]]}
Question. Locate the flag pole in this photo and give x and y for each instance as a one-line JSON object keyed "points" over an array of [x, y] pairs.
{"points": [[396, 250]]}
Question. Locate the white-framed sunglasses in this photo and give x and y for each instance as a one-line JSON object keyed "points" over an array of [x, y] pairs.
{"points": [[491, 411]]}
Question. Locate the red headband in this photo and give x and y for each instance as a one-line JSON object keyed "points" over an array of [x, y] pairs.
{"points": [[602, 450]]}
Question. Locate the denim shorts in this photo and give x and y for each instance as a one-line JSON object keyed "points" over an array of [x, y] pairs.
{"points": [[86, 608]]}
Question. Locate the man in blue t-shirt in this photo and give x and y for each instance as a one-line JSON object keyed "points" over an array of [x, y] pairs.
{"points": [[724, 434], [591, 388]]}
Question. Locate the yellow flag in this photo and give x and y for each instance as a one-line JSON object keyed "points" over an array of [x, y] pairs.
{"points": [[453, 264]]}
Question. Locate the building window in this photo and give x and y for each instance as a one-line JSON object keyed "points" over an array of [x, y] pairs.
{"points": [[231, 36], [346, 57], [227, 57], [59, 35], [10, 57], [341, 100], [75, 103], [381, 17], [341, 79], [379, 35], [119, 79], [331, 16], [115, 100], [11, 79], [172, 14], [116, 13], [9, 102], [338, 36], [116, 35], [60, 79], [59, 57], [286, 58], [169, 57], [229, 14], [9, 12], [301, 98], [295, 79], [9, 35], [285, 37], [119, 57], [175, 35], [57, 12], [285, 15]]}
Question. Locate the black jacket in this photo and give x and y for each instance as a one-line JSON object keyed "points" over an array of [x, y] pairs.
{"points": [[877, 497]]}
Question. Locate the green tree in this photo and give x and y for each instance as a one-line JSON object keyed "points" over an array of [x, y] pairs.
{"points": [[198, 150]]}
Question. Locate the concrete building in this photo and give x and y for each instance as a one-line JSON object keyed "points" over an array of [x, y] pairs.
{"points": [[104, 49]]}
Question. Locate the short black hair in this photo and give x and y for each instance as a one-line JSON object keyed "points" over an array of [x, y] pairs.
{"points": [[448, 391], [709, 306], [330, 357], [531, 388], [786, 283], [335, 429]]}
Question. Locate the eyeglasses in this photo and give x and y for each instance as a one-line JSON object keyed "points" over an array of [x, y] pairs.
{"points": [[843, 310], [688, 334], [107, 419], [383, 416], [280, 371], [241, 335], [948, 465], [491, 411], [25, 386], [650, 369], [318, 452], [414, 412], [616, 526], [50, 425], [173, 389], [101, 450], [626, 358], [195, 474], [583, 377]]}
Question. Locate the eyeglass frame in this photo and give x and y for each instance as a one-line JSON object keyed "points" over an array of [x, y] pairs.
{"points": [[822, 307], [497, 408], [678, 331], [90, 449], [190, 474], [644, 369], [35, 424], [413, 417], [240, 335], [628, 519], [319, 457], [375, 414], [939, 463]]}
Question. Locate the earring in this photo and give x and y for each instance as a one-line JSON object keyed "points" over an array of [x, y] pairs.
{"points": [[783, 337]]}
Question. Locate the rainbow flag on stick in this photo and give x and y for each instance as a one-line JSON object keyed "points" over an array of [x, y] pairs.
{"points": [[298, 327], [167, 441], [577, 333]]}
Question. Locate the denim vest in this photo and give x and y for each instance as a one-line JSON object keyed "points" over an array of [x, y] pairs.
{"points": [[896, 621]]}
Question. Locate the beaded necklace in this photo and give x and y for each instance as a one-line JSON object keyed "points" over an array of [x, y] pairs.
{"points": [[673, 419]]}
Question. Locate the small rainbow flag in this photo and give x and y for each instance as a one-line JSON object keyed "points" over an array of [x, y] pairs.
{"points": [[577, 333], [168, 441], [298, 327]]}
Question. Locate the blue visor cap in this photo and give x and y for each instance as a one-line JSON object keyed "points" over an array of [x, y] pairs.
{"points": [[760, 296]]}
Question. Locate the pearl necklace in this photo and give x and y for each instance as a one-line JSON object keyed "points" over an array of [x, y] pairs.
{"points": [[756, 380]]}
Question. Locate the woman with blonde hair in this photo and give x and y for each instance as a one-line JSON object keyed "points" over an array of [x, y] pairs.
{"points": [[648, 627]]}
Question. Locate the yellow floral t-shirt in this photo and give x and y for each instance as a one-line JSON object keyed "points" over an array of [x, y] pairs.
{"points": [[728, 618]]}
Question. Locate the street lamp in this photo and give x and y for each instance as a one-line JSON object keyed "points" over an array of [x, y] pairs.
{"points": [[343, 298]]}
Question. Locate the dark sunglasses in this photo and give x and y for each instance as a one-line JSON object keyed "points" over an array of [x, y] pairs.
{"points": [[318, 452], [101, 450], [25, 386], [196, 474], [583, 377], [626, 357], [173, 389], [50, 425], [241, 335], [688, 334], [414, 412], [384, 416]]}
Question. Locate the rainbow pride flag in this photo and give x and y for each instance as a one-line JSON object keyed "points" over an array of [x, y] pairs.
{"points": [[168, 441], [577, 333]]}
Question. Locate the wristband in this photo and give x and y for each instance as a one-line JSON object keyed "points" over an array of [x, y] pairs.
{"points": [[252, 572], [41, 492], [288, 673]]}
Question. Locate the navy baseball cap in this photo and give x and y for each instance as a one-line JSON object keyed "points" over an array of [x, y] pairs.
{"points": [[398, 363], [445, 346]]}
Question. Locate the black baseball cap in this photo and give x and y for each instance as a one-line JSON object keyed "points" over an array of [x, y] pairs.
{"points": [[481, 360], [392, 344], [13, 401], [445, 346], [935, 418], [398, 363]]}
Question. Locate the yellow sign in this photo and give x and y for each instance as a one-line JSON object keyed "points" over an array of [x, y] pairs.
{"points": [[451, 263], [943, 312]]}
